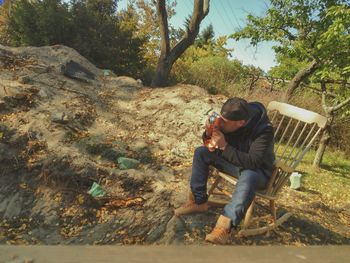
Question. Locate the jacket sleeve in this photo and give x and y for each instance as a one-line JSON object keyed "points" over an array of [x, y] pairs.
{"points": [[254, 158]]}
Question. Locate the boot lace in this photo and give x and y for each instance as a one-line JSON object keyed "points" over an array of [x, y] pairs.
{"points": [[220, 232]]}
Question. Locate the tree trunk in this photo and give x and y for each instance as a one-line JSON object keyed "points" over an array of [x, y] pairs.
{"points": [[298, 78], [161, 76], [168, 56], [326, 136]]}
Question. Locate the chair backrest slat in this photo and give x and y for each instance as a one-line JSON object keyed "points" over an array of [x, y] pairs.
{"points": [[284, 133], [279, 125], [296, 142], [297, 161], [293, 126], [274, 116], [300, 150], [289, 140]]}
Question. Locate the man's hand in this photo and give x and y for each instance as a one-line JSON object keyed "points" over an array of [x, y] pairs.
{"points": [[218, 139]]}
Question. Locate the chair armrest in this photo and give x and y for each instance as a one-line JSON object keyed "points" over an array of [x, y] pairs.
{"points": [[284, 167]]}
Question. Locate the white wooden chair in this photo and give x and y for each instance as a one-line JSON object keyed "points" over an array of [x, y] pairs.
{"points": [[296, 129]]}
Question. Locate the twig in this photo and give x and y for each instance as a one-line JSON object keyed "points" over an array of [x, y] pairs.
{"points": [[208, 111]]}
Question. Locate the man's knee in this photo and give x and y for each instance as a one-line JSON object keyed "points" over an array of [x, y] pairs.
{"points": [[253, 179], [201, 151], [248, 177]]}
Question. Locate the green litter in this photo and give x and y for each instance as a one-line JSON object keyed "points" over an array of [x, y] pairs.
{"points": [[96, 190], [106, 72], [127, 163], [295, 180]]}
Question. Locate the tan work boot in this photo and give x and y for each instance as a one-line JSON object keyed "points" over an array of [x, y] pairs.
{"points": [[191, 207], [221, 231]]}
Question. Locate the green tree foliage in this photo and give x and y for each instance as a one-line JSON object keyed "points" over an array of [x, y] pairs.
{"points": [[213, 48], [4, 16], [215, 73], [305, 31], [287, 67], [334, 42], [140, 17], [297, 27], [100, 38], [205, 37], [91, 27], [39, 23]]}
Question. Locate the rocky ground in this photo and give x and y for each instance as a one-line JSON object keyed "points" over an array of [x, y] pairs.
{"points": [[64, 124]]}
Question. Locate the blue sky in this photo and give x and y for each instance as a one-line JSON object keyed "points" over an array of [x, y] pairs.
{"points": [[226, 17]]}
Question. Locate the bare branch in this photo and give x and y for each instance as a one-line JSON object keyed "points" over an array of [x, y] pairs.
{"points": [[330, 110], [290, 36], [324, 105], [163, 24], [337, 81], [341, 105], [200, 10], [168, 55]]}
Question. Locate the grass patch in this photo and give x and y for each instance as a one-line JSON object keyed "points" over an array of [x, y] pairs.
{"points": [[331, 181]]}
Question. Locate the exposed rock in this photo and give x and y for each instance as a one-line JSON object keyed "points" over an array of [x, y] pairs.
{"points": [[25, 79], [13, 207], [2, 105], [59, 117], [76, 71], [174, 232]]}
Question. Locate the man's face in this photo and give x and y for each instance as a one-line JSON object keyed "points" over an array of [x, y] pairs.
{"points": [[227, 126]]}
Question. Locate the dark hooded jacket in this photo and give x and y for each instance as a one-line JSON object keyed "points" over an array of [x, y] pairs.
{"points": [[251, 147]]}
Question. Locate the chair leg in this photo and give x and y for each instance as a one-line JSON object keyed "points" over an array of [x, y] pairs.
{"points": [[212, 188], [261, 230], [273, 210], [248, 215]]}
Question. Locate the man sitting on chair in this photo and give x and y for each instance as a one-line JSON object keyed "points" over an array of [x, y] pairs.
{"points": [[242, 146]]}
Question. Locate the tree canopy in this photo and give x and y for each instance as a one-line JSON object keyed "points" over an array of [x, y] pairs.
{"points": [[305, 31]]}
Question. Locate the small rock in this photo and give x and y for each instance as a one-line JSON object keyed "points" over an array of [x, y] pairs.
{"points": [[174, 232], [24, 79], [33, 89], [40, 69], [14, 206], [59, 117], [2, 105], [76, 71]]}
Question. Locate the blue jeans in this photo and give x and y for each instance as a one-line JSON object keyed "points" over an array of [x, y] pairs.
{"points": [[248, 182]]}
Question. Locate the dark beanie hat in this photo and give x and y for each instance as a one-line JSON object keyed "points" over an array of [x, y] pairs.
{"points": [[236, 109]]}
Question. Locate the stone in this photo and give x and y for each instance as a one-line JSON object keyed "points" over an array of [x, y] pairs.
{"points": [[74, 70], [14, 206], [5, 152], [174, 232], [59, 117], [24, 79], [156, 233], [2, 105]]}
